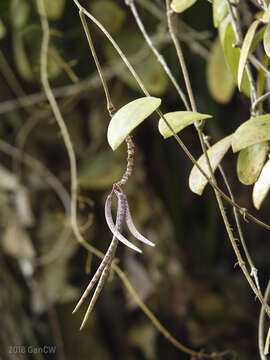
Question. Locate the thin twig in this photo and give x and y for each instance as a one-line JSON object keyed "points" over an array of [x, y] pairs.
{"points": [[160, 58], [253, 269], [258, 65], [239, 39], [260, 99], [110, 106], [261, 340], [180, 56], [59, 118]]}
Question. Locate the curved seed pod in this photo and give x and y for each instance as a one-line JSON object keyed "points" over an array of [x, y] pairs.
{"points": [[96, 294], [106, 261], [132, 227], [110, 223]]}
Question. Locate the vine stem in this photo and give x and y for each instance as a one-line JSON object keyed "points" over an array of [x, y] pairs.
{"points": [[60, 121], [110, 107], [160, 58], [239, 39], [261, 340]]}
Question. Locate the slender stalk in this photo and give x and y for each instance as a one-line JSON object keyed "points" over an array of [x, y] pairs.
{"points": [[160, 58], [239, 39], [261, 340], [110, 106], [258, 65], [260, 99], [60, 120], [180, 57]]}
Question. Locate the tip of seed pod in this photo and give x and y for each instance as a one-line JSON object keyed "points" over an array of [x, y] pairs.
{"points": [[75, 309], [82, 325]]}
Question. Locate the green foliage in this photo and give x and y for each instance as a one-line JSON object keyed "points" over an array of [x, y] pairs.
{"points": [[262, 186], [180, 6], [197, 181], [250, 162], [129, 117], [219, 78], [254, 131], [220, 10], [178, 121], [232, 56]]}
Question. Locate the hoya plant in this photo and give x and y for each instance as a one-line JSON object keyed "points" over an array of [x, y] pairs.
{"points": [[154, 84]]}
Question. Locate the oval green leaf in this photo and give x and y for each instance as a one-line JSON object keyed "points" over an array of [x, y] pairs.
{"points": [[262, 186], [250, 162], [3, 30], [178, 121], [219, 78], [267, 343], [253, 131], [129, 117], [179, 6], [220, 10], [21, 59], [197, 181], [266, 40], [245, 50], [232, 56], [54, 9], [110, 14], [19, 12]]}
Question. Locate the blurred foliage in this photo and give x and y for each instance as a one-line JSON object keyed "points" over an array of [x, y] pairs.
{"points": [[188, 280]]}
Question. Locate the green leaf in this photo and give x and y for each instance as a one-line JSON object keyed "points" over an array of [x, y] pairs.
{"points": [[3, 30], [262, 186], [267, 342], [179, 6], [250, 162], [245, 50], [220, 10], [19, 13], [219, 78], [232, 56], [197, 181], [54, 8], [21, 59], [101, 172], [129, 117], [110, 14], [254, 131], [266, 40], [222, 29], [257, 39], [178, 121]]}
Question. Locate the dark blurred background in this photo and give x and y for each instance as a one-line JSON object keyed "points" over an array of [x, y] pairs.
{"points": [[188, 280]]}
